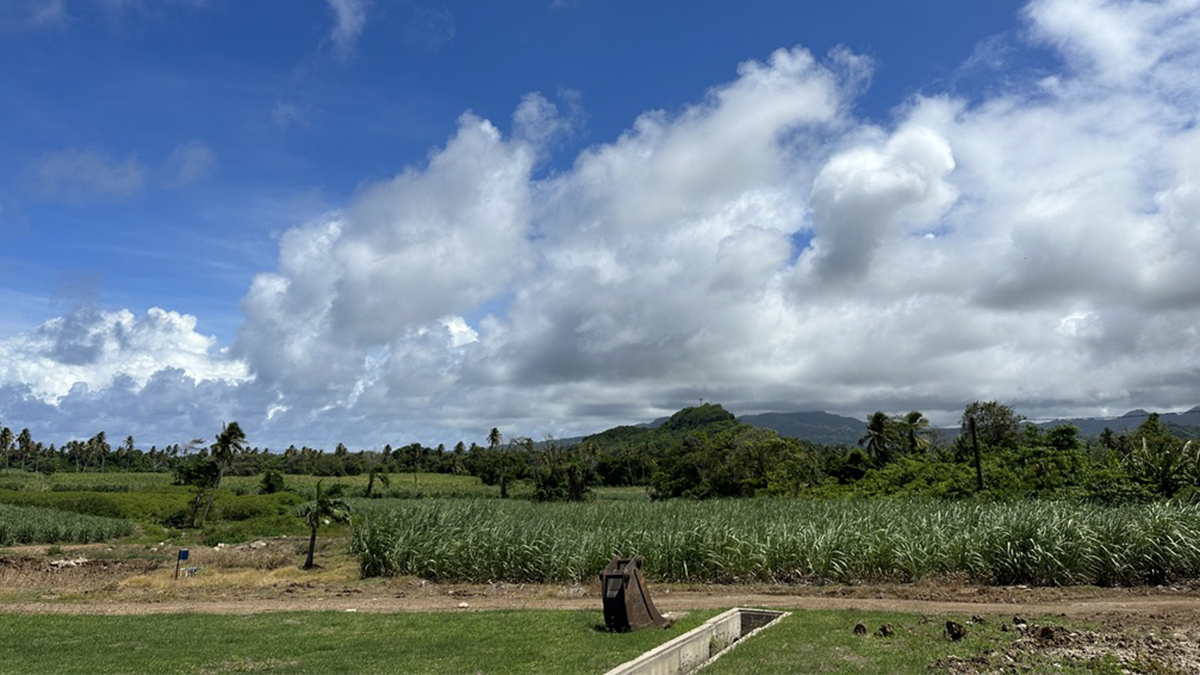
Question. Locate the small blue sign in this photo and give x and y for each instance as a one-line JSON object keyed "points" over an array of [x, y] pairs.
{"points": [[183, 554]]}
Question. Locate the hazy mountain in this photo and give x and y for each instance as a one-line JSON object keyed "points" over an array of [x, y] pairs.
{"points": [[830, 429], [813, 426], [1188, 422]]}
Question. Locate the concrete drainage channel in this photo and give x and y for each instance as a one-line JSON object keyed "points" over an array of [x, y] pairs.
{"points": [[701, 646]]}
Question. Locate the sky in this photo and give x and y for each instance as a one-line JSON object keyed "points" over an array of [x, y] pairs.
{"points": [[390, 221]]}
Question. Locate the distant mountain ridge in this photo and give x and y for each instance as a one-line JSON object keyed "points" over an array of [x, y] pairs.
{"points": [[825, 428], [814, 426], [1187, 421]]}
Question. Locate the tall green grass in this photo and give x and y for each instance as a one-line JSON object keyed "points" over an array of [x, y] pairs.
{"points": [[33, 525], [1038, 543]]}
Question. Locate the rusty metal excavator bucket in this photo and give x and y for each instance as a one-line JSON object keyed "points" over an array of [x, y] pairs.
{"points": [[627, 604]]}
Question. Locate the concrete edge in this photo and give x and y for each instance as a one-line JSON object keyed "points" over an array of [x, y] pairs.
{"points": [[694, 649]]}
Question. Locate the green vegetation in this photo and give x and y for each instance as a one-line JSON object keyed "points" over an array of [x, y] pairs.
{"points": [[325, 642], [167, 506], [32, 525], [498, 642], [328, 506], [1040, 543], [813, 642]]}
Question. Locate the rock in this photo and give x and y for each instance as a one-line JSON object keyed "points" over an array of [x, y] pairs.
{"points": [[955, 631], [258, 544], [886, 631], [1004, 628], [978, 619], [860, 628], [463, 605]]}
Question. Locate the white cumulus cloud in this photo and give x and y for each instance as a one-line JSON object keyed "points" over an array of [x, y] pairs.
{"points": [[761, 247]]}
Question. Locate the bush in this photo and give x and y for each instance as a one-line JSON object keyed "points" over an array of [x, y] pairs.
{"points": [[228, 506], [272, 482]]}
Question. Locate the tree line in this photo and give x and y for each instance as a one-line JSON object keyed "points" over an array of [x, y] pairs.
{"points": [[704, 452]]}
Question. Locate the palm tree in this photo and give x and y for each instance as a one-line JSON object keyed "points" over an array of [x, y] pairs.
{"points": [[328, 506], [100, 447], [230, 442], [912, 429], [126, 452], [494, 439], [6, 441], [24, 445], [880, 436], [377, 471]]}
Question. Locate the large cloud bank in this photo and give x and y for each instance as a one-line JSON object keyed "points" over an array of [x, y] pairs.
{"points": [[762, 248]]}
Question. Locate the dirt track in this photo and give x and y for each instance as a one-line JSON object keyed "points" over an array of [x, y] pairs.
{"points": [[30, 584], [1168, 611]]}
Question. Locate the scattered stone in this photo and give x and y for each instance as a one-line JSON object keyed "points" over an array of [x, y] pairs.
{"points": [[955, 631], [463, 605], [258, 544], [886, 631], [73, 562], [978, 619], [1004, 628], [860, 628]]}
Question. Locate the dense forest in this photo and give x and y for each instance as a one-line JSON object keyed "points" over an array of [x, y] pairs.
{"points": [[704, 452]]}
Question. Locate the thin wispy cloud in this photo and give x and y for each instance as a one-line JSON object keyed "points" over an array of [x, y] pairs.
{"points": [[189, 162], [75, 175], [429, 28], [349, 21], [286, 115], [33, 15]]}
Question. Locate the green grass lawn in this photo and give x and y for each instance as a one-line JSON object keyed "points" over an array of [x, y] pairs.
{"points": [[813, 642], [324, 642], [567, 642]]}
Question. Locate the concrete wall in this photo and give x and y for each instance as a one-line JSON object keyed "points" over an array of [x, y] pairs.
{"points": [[693, 649]]}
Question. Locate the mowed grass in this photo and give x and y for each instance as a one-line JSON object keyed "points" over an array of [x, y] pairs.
{"points": [[493, 642], [815, 642], [843, 541], [325, 642]]}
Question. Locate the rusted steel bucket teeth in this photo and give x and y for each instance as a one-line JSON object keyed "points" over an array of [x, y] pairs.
{"points": [[627, 604]]}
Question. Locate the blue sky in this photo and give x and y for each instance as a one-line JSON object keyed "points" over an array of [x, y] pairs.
{"points": [[378, 222]]}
